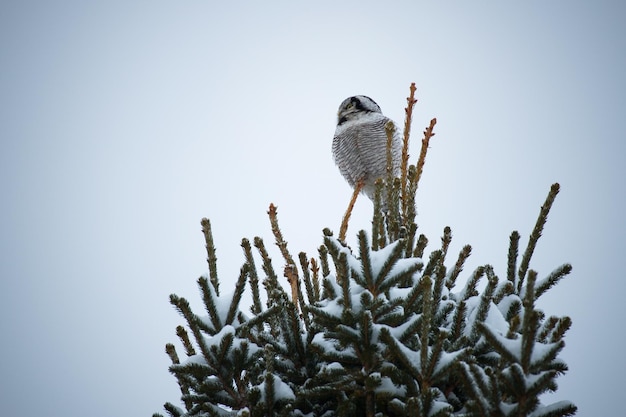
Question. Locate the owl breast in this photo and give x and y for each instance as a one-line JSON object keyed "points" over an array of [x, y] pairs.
{"points": [[360, 151]]}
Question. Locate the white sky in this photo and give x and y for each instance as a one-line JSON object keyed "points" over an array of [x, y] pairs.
{"points": [[122, 124]]}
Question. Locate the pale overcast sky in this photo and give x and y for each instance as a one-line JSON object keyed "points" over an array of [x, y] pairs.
{"points": [[123, 123]]}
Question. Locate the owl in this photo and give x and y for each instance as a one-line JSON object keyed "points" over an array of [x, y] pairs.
{"points": [[360, 143]]}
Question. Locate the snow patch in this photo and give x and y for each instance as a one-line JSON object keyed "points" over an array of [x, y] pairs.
{"points": [[282, 391]]}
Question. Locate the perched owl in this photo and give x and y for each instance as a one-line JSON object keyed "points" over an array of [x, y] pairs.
{"points": [[360, 143]]}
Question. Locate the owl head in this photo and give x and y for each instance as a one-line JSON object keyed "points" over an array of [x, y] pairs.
{"points": [[354, 107]]}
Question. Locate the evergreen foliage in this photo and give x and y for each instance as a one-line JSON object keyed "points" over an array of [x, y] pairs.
{"points": [[377, 330]]}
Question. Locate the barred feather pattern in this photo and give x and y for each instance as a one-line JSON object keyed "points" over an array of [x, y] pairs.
{"points": [[360, 149]]}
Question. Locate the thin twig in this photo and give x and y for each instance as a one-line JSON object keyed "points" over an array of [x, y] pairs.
{"points": [[291, 273], [346, 217]]}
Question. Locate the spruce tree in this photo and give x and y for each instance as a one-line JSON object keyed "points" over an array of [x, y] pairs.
{"points": [[377, 330]]}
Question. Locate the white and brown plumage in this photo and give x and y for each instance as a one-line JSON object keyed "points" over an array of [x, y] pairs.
{"points": [[360, 143]]}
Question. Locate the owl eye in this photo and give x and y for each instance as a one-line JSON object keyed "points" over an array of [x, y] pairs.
{"points": [[350, 105]]}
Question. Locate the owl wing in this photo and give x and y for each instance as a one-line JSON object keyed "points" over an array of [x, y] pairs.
{"points": [[347, 155]]}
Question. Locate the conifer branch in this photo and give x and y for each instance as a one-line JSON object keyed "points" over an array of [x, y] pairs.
{"points": [[530, 322], [408, 112], [271, 280], [211, 257], [392, 188], [390, 130], [442, 312], [306, 277], [269, 379], [410, 239], [209, 301], [182, 305], [316, 281], [323, 251], [387, 313], [184, 338], [278, 235], [411, 207], [485, 302], [458, 323], [558, 409], [445, 242], [458, 266], [379, 237], [438, 289], [290, 270], [395, 227], [512, 258], [296, 338], [384, 280], [422, 241], [433, 263], [440, 270], [366, 264], [496, 342], [291, 273], [329, 289], [388, 281], [254, 278], [514, 322], [502, 290], [263, 317], [483, 381], [171, 352], [219, 355], [546, 328], [343, 277], [329, 320], [434, 356], [536, 233], [173, 410], [427, 317], [412, 329], [413, 301], [470, 286], [393, 345], [552, 279], [239, 288], [560, 329], [364, 343]]}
